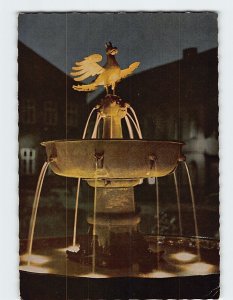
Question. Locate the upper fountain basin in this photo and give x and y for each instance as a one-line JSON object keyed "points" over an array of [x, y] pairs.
{"points": [[113, 158]]}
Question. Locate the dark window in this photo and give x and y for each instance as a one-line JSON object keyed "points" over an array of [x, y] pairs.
{"points": [[72, 114], [28, 115], [50, 113]]}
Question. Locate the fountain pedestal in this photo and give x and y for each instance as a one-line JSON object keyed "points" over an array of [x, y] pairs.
{"points": [[116, 227], [115, 213]]}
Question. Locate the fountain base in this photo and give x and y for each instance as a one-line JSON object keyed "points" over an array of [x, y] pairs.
{"points": [[124, 250], [50, 257], [178, 277]]}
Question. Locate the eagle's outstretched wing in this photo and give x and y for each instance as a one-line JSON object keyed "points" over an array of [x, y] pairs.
{"points": [[130, 69], [88, 67]]}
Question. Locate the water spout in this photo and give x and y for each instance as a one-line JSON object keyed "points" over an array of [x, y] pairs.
{"points": [[76, 212], [94, 134], [34, 210], [87, 123], [194, 210], [94, 231], [178, 203], [135, 125], [136, 119], [129, 127]]}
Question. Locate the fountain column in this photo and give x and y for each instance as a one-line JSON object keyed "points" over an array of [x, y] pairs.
{"points": [[115, 215]]}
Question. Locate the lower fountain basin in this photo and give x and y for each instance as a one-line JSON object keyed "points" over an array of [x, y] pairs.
{"points": [[179, 259], [121, 159], [178, 276]]}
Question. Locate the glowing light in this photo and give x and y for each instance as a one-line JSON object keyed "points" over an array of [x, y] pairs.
{"points": [[157, 274], [35, 259], [70, 248], [199, 268], [94, 275], [184, 257], [74, 248], [35, 269], [61, 249]]}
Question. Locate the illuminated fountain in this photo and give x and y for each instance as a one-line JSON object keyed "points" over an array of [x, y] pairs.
{"points": [[113, 165]]}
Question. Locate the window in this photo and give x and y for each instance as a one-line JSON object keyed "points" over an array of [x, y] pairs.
{"points": [[28, 111], [72, 114], [50, 113], [193, 129], [27, 161]]}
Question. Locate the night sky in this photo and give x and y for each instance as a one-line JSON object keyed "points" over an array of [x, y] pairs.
{"points": [[151, 38]]}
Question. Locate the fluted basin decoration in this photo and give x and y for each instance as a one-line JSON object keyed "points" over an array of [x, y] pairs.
{"points": [[119, 158]]}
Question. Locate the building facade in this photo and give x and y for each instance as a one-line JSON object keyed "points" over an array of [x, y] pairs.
{"points": [[49, 109]]}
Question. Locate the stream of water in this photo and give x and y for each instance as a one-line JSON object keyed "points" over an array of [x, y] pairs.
{"points": [[94, 231], [87, 123], [135, 126], [94, 134], [194, 211], [76, 213], [130, 130], [136, 119], [34, 210], [178, 203]]}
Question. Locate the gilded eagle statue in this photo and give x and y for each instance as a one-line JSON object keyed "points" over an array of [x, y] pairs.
{"points": [[108, 75]]}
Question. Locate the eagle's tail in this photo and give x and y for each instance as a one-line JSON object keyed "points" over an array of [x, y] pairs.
{"points": [[85, 87]]}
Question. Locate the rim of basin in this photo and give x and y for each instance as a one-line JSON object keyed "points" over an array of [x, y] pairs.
{"points": [[114, 140]]}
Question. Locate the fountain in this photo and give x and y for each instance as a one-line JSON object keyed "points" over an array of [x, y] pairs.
{"points": [[113, 165]]}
